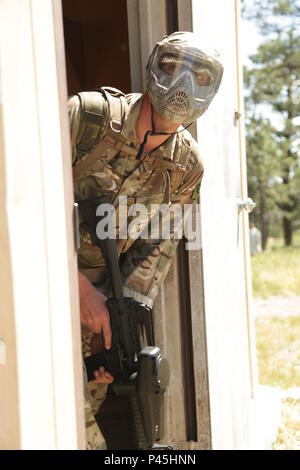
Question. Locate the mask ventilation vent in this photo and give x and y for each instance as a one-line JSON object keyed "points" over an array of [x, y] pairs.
{"points": [[178, 103]]}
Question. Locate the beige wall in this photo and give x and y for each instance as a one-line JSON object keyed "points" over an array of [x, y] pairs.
{"points": [[223, 347], [9, 403], [41, 404]]}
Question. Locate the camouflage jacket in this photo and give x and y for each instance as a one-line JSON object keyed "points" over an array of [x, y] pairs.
{"points": [[144, 262]]}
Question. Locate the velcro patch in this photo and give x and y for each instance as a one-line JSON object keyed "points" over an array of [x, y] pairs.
{"points": [[196, 193]]}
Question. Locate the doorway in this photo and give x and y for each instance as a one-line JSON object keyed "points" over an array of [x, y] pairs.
{"points": [[97, 54], [96, 45]]}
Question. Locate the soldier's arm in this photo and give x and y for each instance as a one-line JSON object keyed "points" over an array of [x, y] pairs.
{"points": [[147, 262], [86, 126], [75, 117], [93, 310]]}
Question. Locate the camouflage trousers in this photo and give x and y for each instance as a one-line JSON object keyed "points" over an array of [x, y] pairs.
{"points": [[94, 396]]}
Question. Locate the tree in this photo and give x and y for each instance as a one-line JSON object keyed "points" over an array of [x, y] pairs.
{"points": [[262, 168], [271, 83]]}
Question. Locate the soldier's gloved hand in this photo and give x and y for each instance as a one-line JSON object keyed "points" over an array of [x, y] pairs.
{"points": [[102, 377], [93, 310]]}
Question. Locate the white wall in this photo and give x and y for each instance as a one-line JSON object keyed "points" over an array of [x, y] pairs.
{"points": [[41, 256]]}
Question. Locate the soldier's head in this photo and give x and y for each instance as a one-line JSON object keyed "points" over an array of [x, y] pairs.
{"points": [[183, 75]]}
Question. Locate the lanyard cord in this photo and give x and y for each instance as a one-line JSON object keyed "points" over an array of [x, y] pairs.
{"points": [[153, 132]]}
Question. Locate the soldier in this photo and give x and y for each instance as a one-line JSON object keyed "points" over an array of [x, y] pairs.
{"points": [[137, 146], [255, 239]]}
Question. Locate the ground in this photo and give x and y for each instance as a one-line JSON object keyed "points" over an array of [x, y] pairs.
{"points": [[276, 288], [278, 352], [277, 306]]}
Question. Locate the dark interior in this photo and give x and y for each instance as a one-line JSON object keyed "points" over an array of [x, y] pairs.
{"points": [[96, 44], [97, 54]]}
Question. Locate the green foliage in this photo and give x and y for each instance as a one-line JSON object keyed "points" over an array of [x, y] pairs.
{"points": [[273, 154], [276, 271], [278, 355], [273, 16], [263, 167]]}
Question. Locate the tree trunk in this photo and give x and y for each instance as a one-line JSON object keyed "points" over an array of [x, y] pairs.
{"points": [[287, 231], [287, 223], [263, 219], [264, 233]]}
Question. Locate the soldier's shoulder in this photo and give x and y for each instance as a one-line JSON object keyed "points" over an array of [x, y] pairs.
{"points": [[93, 101], [73, 101], [133, 97]]}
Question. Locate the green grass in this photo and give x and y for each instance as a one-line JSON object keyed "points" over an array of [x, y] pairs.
{"points": [[278, 351], [276, 271]]}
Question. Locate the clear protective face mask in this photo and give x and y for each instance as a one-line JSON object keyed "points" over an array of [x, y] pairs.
{"points": [[182, 83], [174, 68]]}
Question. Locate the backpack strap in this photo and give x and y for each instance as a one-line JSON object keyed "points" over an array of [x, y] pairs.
{"points": [[98, 123], [90, 148], [93, 119], [117, 106], [183, 146]]}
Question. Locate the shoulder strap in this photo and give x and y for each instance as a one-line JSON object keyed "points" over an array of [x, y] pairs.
{"points": [[117, 106], [183, 145], [93, 120], [110, 136], [96, 125]]}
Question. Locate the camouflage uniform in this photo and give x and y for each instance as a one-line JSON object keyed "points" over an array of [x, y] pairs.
{"points": [[145, 262]]}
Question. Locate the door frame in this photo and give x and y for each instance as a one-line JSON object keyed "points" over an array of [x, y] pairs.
{"points": [[45, 352]]}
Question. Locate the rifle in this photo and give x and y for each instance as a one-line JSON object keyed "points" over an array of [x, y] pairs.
{"points": [[140, 373]]}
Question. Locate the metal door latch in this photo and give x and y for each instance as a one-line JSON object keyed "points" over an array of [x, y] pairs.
{"points": [[237, 115], [248, 204]]}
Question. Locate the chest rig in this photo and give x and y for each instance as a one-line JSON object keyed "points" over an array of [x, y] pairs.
{"points": [[94, 140]]}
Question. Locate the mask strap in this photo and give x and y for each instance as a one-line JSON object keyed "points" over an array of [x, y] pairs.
{"points": [[152, 119], [153, 132], [141, 147]]}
